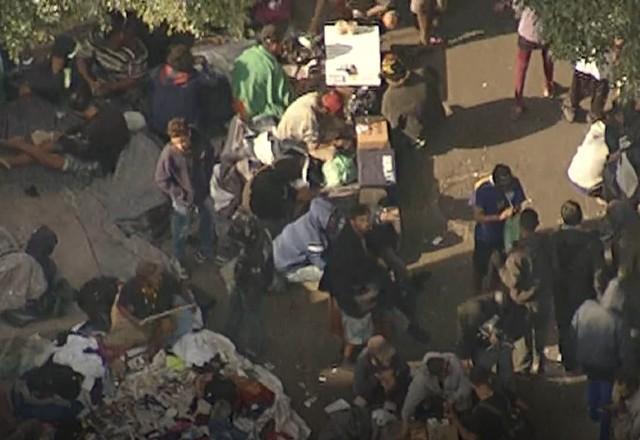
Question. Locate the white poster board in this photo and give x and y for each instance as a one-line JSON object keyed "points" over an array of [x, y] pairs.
{"points": [[353, 59]]}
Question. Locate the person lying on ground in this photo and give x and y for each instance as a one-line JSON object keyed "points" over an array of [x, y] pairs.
{"points": [[317, 120], [90, 150], [114, 62]]}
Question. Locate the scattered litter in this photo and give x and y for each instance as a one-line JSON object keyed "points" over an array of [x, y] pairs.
{"points": [[322, 379], [484, 85], [338, 405], [334, 370], [310, 401], [437, 241]]}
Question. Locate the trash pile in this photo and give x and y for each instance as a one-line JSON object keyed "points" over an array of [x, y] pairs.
{"points": [[198, 389]]}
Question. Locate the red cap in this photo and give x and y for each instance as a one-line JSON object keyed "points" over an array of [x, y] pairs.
{"points": [[333, 102]]}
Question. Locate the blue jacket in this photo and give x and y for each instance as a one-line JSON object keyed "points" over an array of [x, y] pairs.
{"points": [[601, 336], [303, 242]]}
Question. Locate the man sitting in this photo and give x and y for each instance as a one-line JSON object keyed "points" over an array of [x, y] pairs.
{"points": [[439, 384], [308, 119], [299, 251], [260, 86], [114, 63], [381, 378], [93, 149]]}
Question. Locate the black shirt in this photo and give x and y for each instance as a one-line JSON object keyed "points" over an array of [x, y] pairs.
{"points": [[487, 419]]}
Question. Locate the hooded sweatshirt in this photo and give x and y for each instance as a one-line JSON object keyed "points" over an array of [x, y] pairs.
{"points": [[600, 333], [303, 242]]}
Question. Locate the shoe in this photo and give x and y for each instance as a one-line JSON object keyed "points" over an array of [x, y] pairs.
{"points": [[418, 334], [200, 257], [549, 91], [569, 113]]}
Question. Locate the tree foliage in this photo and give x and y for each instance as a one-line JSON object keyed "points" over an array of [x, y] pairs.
{"points": [[28, 23], [587, 28]]}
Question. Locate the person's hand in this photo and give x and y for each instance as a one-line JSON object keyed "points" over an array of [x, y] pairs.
{"points": [[506, 214], [467, 364]]}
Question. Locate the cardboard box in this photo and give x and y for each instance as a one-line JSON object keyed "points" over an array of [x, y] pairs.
{"points": [[376, 168], [372, 133]]}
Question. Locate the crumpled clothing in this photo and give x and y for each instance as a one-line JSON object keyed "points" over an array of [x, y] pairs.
{"points": [[201, 347], [21, 279], [81, 354]]}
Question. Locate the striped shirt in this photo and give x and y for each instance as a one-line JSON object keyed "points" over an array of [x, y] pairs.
{"points": [[119, 64]]}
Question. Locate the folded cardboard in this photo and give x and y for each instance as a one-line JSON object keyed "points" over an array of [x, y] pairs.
{"points": [[376, 167], [372, 133]]}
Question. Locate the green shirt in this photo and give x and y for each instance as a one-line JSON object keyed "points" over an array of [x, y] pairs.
{"points": [[260, 83]]}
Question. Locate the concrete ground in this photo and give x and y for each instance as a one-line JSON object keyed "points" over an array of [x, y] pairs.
{"points": [[435, 185]]}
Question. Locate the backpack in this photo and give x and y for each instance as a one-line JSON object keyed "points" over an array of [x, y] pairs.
{"points": [[515, 422]]}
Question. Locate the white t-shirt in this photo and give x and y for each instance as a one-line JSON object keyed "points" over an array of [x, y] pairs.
{"points": [[599, 72], [587, 165]]}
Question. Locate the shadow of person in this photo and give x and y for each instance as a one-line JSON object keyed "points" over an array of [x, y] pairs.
{"points": [[490, 123]]}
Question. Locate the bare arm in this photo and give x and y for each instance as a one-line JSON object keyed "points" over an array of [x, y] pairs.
{"points": [[480, 217], [83, 69]]}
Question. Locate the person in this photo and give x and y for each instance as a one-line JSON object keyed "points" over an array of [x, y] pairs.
{"points": [[306, 120], [361, 287], [411, 104], [177, 91], [530, 38], [272, 12], [591, 79], [299, 251], [626, 401], [47, 78], [580, 274], [91, 149], [624, 224], [586, 170], [528, 274], [488, 326], [381, 378], [425, 11], [113, 63], [382, 12], [260, 86], [180, 174], [253, 275], [487, 418], [494, 201], [601, 348], [439, 381]]}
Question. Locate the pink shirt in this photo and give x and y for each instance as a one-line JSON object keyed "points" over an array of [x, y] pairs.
{"points": [[529, 26]]}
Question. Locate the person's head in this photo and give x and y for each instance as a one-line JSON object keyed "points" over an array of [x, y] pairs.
{"points": [[381, 352], [122, 30], [360, 220], [528, 222], [332, 102], [179, 134], [390, 19], [180, 58], [627, 382], [63, 48], [571, 213], [438, 366], [502, 177], [81, 101], [480, 379], [393, 70], [271, 38], [150, 271]]}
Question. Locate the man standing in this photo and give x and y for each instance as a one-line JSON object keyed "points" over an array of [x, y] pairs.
{"points": [[580, 271], [528, 274], [495, 200], [601, 345], [424, 11], [411, 104], [180, 174], [259, 84]]}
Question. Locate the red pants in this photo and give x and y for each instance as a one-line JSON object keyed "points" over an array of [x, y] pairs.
{"points": [[522, 64]]}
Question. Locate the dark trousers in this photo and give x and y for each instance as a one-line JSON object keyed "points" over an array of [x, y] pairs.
{"points": [[538, 315], [482, 268], [584, 85], [599, 396], [522, 65]]}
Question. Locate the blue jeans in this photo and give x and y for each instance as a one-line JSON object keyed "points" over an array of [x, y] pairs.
{"points": [[246, 312], [181, 225], [599, 396]]}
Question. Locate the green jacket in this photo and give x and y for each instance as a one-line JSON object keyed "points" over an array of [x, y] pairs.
{"points": [[260, 84]]}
